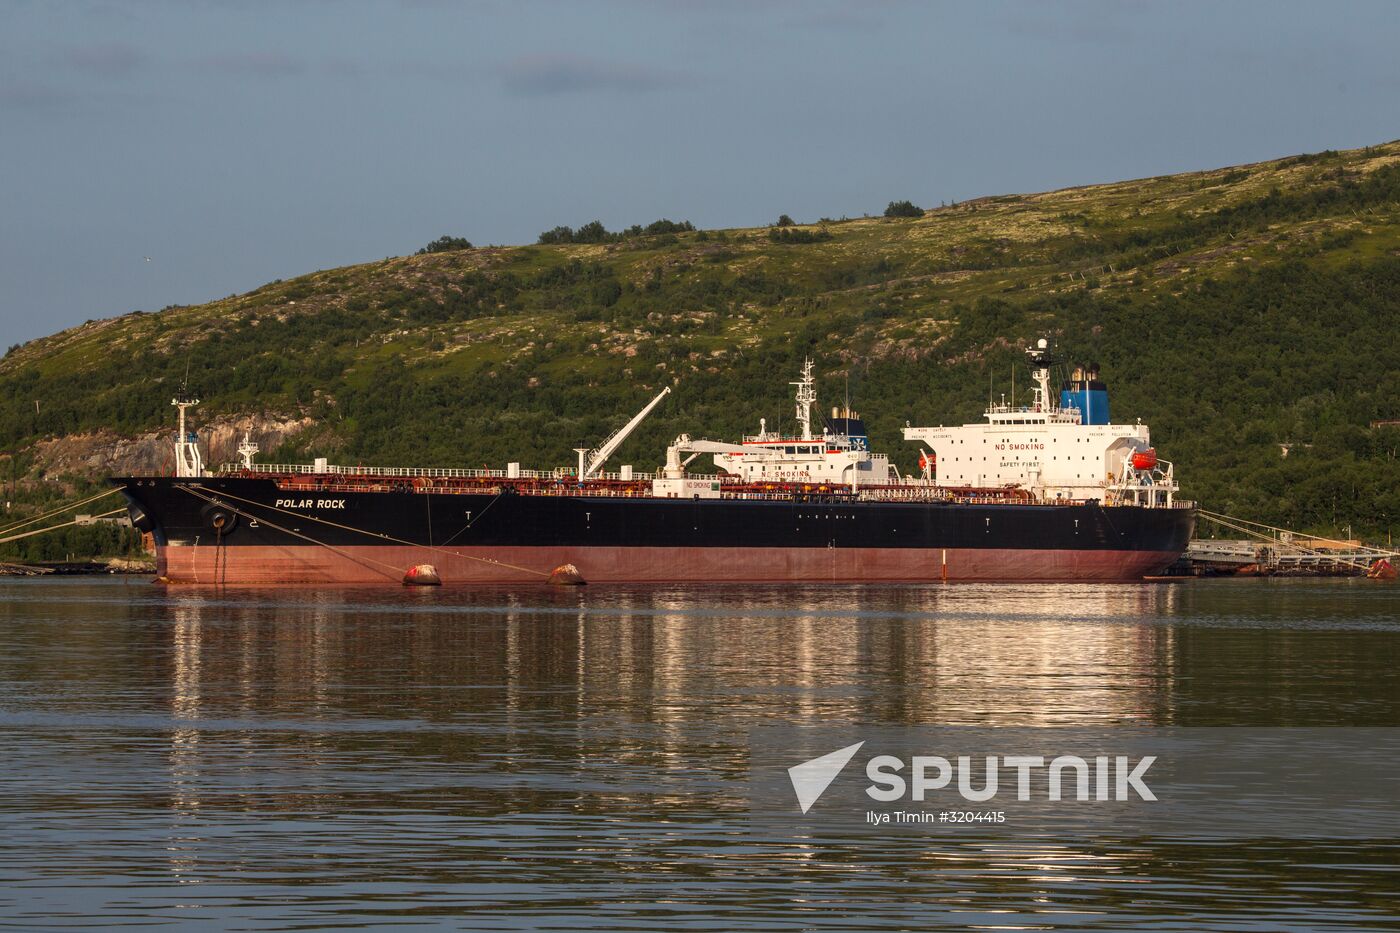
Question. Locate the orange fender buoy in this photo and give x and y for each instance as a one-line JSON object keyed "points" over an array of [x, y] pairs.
{"points": [[422, 575], [566, 575]]}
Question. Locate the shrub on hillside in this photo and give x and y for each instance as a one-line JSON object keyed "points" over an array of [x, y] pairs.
{"points": [[903, 209], [798, 235], [445, 244], [595, 232]]}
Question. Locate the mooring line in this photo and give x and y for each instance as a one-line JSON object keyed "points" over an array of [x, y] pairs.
{"points": [[62, 508], [361, 531], [473, 521], [39, 531]]}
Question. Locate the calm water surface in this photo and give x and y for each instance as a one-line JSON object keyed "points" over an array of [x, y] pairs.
{"points": [[576, 758]]}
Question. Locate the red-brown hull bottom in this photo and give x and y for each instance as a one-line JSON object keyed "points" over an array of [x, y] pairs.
{"points": [[385, 565]]}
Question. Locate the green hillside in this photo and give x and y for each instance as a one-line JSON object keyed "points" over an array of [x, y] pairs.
{"points": [[1240, 312]]}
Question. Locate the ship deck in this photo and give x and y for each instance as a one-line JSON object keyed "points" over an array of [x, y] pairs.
{"points": [[305, 478]]}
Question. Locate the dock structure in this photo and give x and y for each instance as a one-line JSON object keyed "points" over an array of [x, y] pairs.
{"points": [[1272, 550]]}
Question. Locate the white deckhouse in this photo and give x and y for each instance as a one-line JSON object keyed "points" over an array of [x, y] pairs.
{"points": [[1054, 451]]}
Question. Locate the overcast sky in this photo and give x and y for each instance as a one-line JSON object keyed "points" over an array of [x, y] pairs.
{"points": [[242, 141]]}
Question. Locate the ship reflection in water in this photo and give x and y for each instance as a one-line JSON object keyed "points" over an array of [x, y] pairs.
{"points": [[577, 758]]}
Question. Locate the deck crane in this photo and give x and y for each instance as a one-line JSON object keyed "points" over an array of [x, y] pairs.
{"points": [[675, 466], [591, 461]]}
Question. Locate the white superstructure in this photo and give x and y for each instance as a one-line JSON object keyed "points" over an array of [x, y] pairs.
{"points": [[1050, 450], [839, 456]]}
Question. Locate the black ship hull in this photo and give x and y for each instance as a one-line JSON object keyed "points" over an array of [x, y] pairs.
{"points": [[240, 530]]}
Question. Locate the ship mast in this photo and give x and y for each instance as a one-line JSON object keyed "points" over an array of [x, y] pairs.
{"points": [[246, 450], [1042, 358], [188, 462], [806, 398]]}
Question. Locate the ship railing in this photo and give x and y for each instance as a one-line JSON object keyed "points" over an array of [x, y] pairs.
{"points": [[641, 491], [561, 473], [563, 482], [1117, 501], [1047, 415]]}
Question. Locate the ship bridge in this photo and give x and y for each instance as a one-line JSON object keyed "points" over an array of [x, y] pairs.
{"points": [[1056, 449], [840, 455]]}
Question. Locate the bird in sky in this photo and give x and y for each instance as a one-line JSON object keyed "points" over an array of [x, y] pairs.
{"points": [[148, 258]]}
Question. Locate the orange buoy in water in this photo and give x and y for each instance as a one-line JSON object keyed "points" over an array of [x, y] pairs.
{"points": [[1145, 459], [422, 575], [566, 575]]}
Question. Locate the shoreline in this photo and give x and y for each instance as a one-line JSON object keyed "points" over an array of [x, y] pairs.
{"points": [[74, 568]]}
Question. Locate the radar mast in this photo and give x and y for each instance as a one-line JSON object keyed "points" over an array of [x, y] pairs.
{"points": [[246, 450], [1042, 357], [806, 398], [188, 461]]}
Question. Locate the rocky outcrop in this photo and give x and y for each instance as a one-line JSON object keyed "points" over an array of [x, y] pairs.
{"points": [[105, 453]]}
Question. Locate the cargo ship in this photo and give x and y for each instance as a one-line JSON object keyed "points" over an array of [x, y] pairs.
{"points": [[1048, 491]]}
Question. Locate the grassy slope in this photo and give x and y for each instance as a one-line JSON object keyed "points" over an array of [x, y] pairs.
{"points": [[1234, 310]]}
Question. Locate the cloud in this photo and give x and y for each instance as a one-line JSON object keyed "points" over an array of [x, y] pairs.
{"points": [[108, 59], [1095, 22], [258, 64], [18, 94], [551, 74], [843, 17]]}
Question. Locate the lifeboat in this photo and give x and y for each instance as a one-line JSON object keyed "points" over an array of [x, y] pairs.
{"points": [[1145, 459]]}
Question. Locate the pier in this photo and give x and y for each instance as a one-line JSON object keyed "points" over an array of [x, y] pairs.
{"points": [[1266, 549]]}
